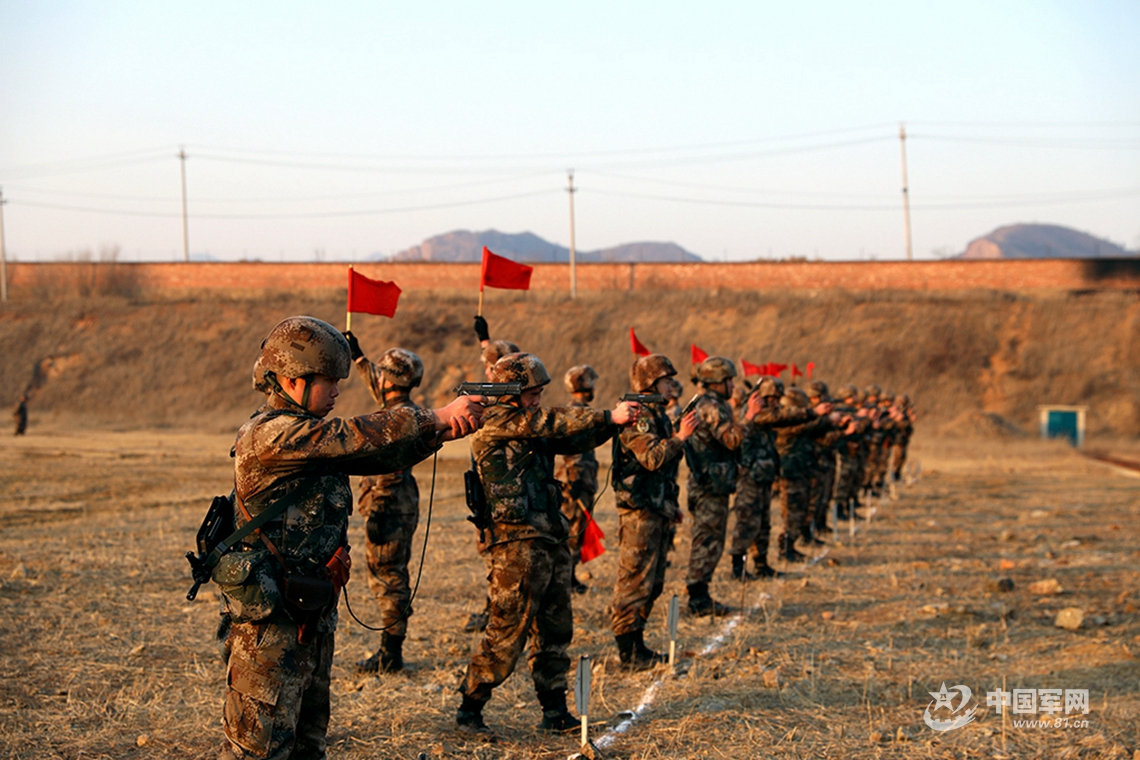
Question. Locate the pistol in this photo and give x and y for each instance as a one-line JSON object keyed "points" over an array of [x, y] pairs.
{"points": [[488, 389], [644, 398]]}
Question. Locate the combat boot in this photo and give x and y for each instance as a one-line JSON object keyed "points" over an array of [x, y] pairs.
{"points": [[555, 716], [762, 570], [391, 653], [739, 571], [634, 654], [789, 551], [469, 720], [701, 604]]}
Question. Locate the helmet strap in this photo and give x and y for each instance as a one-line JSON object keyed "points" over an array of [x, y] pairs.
{"points": [[271, 378]]}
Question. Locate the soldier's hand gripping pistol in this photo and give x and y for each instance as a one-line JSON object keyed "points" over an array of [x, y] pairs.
{"points": [[492, 390], [644, 398]]}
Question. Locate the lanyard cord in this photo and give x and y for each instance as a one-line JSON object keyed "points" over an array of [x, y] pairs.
{"points": [[419, 573]]}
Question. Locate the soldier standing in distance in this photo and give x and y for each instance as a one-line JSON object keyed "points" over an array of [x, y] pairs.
{"points": [[490, 352], [906, 420], [20, 415], [711, 453], [759, 469], [852, 450], [578, 472], [823, 479], [796, 447], [646, 459], [889, 419], [875, 436], [526, 541], [281, 641], [390, 506]]}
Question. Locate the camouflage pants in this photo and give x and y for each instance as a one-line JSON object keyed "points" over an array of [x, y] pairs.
{"points": [[530, 597], [277, 692], [753, 528], [898, 459], [577, 502], [644, 542], [849, 481], [884, 463], [710, 524], [823, 489], [797, 506], [390, 525]]}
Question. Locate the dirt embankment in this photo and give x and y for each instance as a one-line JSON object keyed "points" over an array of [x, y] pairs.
{"points": [[966, 358]]}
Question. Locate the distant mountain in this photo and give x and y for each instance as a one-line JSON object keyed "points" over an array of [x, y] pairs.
{"points": [[464, 245], [1042, 241]]}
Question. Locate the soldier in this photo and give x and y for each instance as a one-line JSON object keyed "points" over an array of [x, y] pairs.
{"points": [[889, 419], [282, 583], [578, 473], [875, 437], [906, 419], [20, 415], [759, 469], [646, 460], [672, 391], [796, 447], [526, 541], [490, 352], [823, 479], [390, 506], [711, 453], [852, 449]]}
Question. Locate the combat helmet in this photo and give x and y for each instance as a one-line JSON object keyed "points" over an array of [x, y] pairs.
{"points": [[301, 346], [872, 390], [902, 401], [818, 389], [848, 391], [497, 349], [715, 369], [771, 386], [887, 397], [402, 367], [525, 369], [580, 379], [795, 397], [647, 370]]}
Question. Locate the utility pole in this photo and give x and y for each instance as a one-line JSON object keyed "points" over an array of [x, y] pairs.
{"points": [[185, 224], [3, 253], [906, 194], [573, 254]]}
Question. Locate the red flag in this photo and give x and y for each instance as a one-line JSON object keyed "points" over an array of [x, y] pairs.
{"points": [[751, 369], [500, 272], [796, 371], [592, 545], [636, 345], [697, 354], [810, 367], [776, 369], [371, 296]]}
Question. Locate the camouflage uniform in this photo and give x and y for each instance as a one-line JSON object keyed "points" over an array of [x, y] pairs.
{"points": [[759, 469], [902, 440], [646, 460], [711, 455], [797, 462], [579, 476], [20, 416], [390, 506], [852, 452], [277, 689], [526, 544]]}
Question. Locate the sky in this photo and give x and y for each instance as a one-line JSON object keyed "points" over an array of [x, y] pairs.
{"points": [[736, 130]]}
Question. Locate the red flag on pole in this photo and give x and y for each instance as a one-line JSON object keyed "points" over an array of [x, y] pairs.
{"points": [[367, 296], [796, 371], [697, 354], [775, 370], [749, 369], [810, 367], [501, 272], [592, 536], [636, 345]]}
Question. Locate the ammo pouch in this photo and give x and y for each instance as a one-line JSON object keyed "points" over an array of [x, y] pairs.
{"points": [[251, 592], [306, 600]]}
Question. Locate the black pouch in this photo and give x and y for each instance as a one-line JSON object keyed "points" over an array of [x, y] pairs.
{"points": [[305, 601]]}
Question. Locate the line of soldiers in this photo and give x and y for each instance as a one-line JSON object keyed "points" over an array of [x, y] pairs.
{"points": [[280, 639]]}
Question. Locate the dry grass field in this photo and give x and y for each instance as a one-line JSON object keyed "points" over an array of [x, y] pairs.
{"points": [[102, 657]]}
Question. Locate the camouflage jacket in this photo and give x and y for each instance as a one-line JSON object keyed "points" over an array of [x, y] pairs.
{"points": [[375, 490], [280, 451], [853, 446], [646, 460], [796, 446], [580, 469], [711, 451], [759, 459], [514, 456]]}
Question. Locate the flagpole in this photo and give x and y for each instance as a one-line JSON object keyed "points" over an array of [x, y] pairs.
{"points": [[480, 312], [347, 313]]}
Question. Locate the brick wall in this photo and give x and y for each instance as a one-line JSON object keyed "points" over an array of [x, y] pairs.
{"points": [[1061, 274]]}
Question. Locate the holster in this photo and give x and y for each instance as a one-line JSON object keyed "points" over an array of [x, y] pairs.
{"points": [[306, 600]]}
